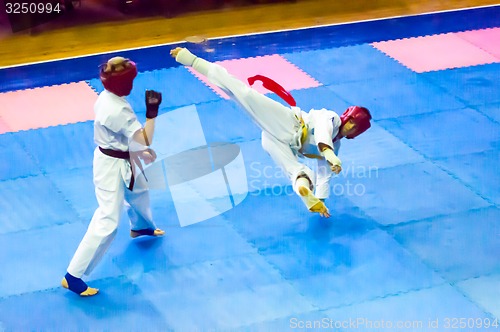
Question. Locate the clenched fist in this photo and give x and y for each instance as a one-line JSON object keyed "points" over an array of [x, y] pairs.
{"points": [[153, 101]]}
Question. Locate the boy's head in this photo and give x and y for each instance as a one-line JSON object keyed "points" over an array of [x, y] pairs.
{"points": [[117, 75], [354, 121]]}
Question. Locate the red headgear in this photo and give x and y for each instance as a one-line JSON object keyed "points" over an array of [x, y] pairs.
{"points": [[360, 116], [116, 81]]}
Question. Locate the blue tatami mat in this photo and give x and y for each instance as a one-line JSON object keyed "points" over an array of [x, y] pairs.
{"points": [[329, 261], [350, 269], [226, 293], [445, 134], [484, 291], [458, 246], [77, 188], [18, 163], [476, 170], [209, 240], [47, 253], [397, 96], [492, 110], [374, 150], [122, 308], [430, 309], [473, 85], [255, 218], [225, 121], [347, 64], [59, 148], [32, 203], [410, 192]]}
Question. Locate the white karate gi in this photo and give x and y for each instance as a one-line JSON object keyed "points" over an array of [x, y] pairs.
{"points": [[115, 124], [282, 128]]}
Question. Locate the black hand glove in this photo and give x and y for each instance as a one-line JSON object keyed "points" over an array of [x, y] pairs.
{"points": [[153, 101]]}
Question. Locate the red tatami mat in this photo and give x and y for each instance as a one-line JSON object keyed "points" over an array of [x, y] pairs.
{"points": [[436, 52], [486, 39], [3, 127], [45, 107]]}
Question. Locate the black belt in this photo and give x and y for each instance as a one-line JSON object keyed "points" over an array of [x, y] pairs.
{"points": [[116, 153], [132, 158]]}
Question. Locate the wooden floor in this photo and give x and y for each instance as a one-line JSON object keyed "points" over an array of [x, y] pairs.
{"points": [[56, 41]]}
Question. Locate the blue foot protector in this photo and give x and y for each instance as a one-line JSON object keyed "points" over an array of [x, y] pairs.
{"points": [[76, 285], [140, 232], [147, 231]]}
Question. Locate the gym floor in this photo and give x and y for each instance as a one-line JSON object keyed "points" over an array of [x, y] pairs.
{"points": [[414, 238]]}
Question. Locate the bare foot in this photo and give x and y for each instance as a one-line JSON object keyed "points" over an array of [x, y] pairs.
{"points": [[175, 51]]}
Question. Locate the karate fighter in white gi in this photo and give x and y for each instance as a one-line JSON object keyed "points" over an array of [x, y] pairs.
{"points": [[289, 132], [116, 128]]}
